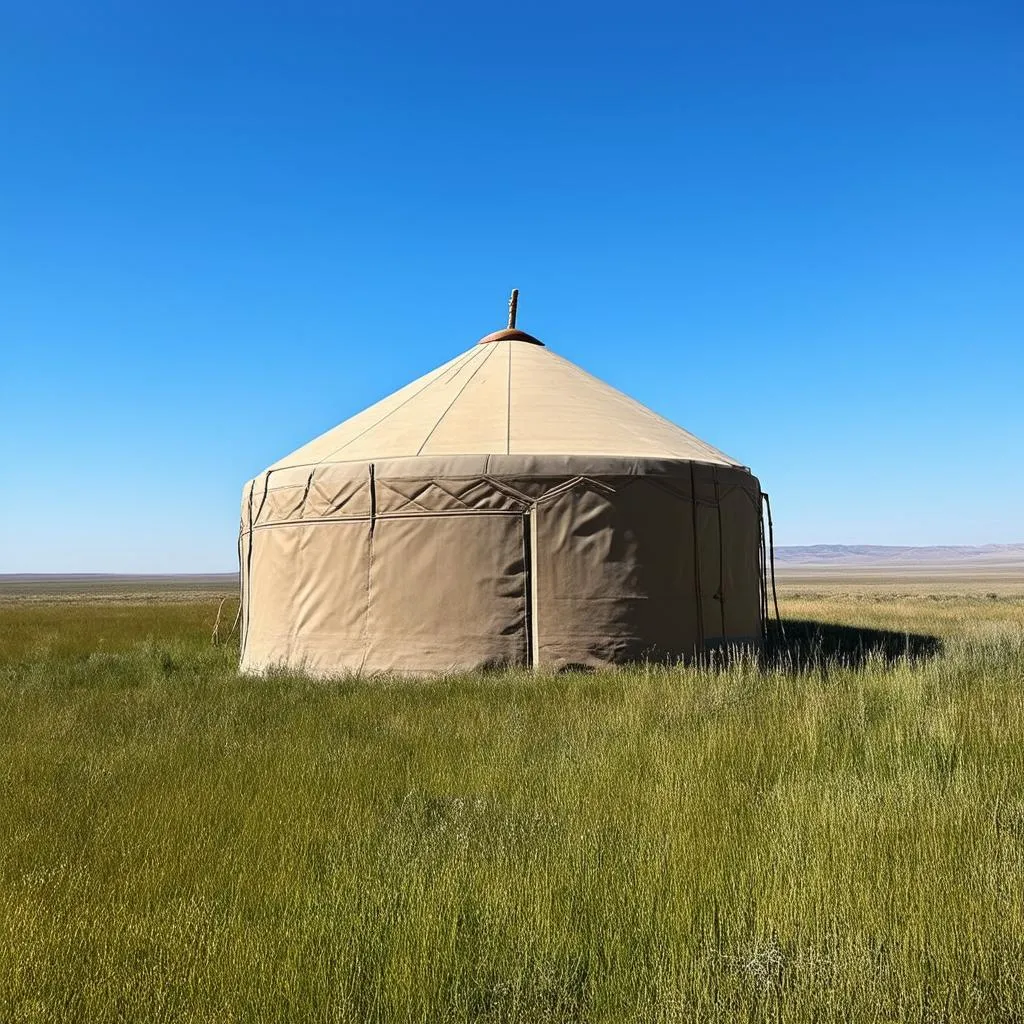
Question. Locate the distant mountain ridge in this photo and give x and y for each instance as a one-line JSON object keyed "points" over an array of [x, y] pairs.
{"points": [[883, 554]]}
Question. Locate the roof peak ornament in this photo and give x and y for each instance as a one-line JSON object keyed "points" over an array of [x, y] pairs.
{"points": [[511, 333]]}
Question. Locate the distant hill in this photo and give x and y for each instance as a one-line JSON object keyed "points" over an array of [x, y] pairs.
{"points": [[880, 554]]}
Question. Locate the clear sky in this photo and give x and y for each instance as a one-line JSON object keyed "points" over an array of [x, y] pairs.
{"points": [[795, 229]]}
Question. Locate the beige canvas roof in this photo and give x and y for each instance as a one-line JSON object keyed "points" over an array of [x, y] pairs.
{"points": [[507, 395]]}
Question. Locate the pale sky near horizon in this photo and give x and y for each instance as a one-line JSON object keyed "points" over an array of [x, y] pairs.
{"points": [[795, 229]]}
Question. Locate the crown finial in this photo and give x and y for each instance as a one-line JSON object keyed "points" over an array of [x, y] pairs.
{"points": [[513, 304]]}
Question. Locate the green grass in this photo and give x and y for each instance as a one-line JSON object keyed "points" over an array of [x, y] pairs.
{"points": [[179, 844]]}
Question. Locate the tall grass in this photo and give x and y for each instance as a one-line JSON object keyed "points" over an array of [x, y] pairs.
{"points": [[179, 844]]}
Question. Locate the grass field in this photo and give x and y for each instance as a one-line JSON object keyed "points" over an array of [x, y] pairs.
{"points": [[838, 835]]}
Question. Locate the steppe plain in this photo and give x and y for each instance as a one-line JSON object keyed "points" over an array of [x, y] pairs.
{"points": [[834, 831]]}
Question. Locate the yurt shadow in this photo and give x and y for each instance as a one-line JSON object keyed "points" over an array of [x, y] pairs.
{"points": [[803, 645]]}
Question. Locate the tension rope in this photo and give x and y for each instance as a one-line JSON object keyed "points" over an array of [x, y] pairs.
{"points": [[771, 563]]}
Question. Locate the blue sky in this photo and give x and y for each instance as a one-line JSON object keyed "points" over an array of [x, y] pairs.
{"points": [[795, 229]]}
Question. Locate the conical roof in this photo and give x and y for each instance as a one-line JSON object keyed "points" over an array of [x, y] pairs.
{"points": [[507, 395]]}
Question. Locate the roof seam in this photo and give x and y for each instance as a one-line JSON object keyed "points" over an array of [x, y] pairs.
{"points": [[447, 409], [431, 379]]}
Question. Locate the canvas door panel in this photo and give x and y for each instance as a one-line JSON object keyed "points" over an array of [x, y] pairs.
{"points": [[447, 593], [614, 576], [741, 595], [308, 597]]}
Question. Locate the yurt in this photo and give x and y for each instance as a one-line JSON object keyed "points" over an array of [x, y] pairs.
{"points": [[507, 509]]}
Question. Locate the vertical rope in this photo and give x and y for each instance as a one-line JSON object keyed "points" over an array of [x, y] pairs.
{"points": [[527, 528], [721, 551], [365, 638], [535, 659], [696, 559], [771, 550], [241, 595], [762, 571]]}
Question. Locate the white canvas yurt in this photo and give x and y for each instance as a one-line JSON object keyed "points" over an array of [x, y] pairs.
{"points": [[507, 509]]}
